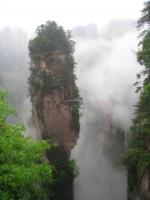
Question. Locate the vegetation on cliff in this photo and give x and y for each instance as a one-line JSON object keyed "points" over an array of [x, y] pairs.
{"points": [[137, 157], [52, 41], [52, 72], [51, 37], [66, 171]]}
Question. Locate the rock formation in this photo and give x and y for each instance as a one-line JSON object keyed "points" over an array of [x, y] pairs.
{"points": [[54, 95], [55, 101]]}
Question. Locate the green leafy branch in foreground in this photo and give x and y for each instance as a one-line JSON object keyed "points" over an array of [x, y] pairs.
{"points": [[24, 174]]}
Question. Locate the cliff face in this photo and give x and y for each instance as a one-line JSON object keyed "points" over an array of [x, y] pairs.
{"points": [[55, 105], [54, 95], [55, 101]]}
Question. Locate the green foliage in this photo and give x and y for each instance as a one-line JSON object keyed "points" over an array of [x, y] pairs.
{"points": [[137, 156], [51, 37], [23, 172], [65, 171], [144, 52], [76, 116], [145, 19], [144, 59], [44, 82]]}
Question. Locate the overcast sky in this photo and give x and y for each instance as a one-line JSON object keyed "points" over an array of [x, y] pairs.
{"points": [[69, 13]]}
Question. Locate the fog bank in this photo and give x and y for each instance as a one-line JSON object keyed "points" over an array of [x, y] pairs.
{"points": [[106, 70]]}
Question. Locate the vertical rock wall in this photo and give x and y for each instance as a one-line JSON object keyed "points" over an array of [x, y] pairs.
{"points": [[54, 95], [55, 101]]}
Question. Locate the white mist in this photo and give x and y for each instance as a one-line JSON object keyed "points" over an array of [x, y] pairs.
{"points": [[106, 70]]}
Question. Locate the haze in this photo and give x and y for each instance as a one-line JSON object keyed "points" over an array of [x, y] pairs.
{"points": [[27, 14]]}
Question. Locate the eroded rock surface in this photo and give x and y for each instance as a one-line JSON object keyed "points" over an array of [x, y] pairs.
{"points": [[54, 95]]}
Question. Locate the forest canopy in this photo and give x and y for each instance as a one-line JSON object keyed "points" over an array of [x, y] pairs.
{"points": [[51, 37]]}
